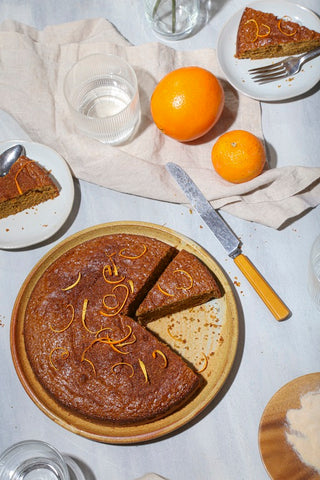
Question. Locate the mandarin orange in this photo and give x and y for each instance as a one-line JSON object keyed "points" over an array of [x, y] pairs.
{"points": [[238, 156], [187, 103]]}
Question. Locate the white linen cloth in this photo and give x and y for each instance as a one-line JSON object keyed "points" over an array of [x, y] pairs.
{"points": [[33, 65]]}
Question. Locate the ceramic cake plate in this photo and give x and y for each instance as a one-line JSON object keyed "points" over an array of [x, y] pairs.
{"points": [[36, 224], [211, 328], [236, 70]]}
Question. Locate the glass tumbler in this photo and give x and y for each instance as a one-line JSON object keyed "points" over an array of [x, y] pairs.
{"points": [[172, 19], [32, 460], [103, 98], [314, 272]]}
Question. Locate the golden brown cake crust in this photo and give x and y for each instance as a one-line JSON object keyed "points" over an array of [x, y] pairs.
{"points": [[263, 35], [185, 283], [26, 184], [86, 352]]}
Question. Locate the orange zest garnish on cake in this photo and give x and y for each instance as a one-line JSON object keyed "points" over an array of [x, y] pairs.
{"points": [[120, 342], [73, 284], [158, 352], [126, 364], [119, 306], [65, 328], [83, 359], [83, 316], [172, 336], [18, 172], [123, 344], [285, 33], [123, 339], [164, 293], [133, 257], [189, 277], [144, 370], [205, 363], [64, 354], [113, 270], [110, 273], [131, 285], [259, 29]]}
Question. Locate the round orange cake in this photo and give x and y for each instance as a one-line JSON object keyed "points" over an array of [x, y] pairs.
{"points": [[84, 344]]}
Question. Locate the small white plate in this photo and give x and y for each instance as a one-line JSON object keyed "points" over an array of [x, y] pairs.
{"points": [[36, 224], [236, 70]]}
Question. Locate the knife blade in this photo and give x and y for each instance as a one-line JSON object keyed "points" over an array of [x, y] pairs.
{"points": [[228, 240]]}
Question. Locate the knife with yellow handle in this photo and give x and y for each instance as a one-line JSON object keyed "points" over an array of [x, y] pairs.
{"points": [[228, 240]]}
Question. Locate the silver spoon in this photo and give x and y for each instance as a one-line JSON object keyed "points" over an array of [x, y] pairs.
{"points": [[8, 157]]}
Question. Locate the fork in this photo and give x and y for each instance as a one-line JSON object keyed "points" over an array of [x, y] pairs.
{"points": [[285, 68]]}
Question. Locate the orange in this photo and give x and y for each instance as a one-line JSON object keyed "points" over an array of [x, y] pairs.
{"points": [[187, 103], [238, 156]]}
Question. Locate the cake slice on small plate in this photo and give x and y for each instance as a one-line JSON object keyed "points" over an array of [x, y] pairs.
{"points": [[26, 185], [264, 35], [185, 283]]}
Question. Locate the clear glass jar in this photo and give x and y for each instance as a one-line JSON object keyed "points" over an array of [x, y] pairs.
{"points": [[172, 19]]}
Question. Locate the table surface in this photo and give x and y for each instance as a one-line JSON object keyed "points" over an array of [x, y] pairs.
{"points": [[222, 442]]}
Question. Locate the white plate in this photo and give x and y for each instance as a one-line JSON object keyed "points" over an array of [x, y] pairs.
{"points": [[236, 70], [36, 224]]}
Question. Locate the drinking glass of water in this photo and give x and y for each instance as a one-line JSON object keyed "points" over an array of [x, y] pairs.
{"points": [[32, 460], [314, 272], [172, 19], [103, 98]]}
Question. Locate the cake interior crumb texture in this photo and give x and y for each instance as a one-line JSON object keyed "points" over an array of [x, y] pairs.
{"points": [[26, 185]]}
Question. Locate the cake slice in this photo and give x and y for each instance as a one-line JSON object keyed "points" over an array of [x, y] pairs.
{"points": [[26, 184], [185, 283], [264, 35]]}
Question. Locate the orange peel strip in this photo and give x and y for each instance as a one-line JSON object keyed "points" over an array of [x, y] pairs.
{"points": [[73, 284], [263, 35], [102, 329], [131, 285], [190, 278], [83, 359], [164, 292], [104, 340], [121, 340], [133, 257], [258, 34], [205, 363], [90, 363], [17, 173], [83, 317], [120, 307], [107, 341], [282, 31], [144, 370], [114, 266], [172, 336], [64, 354], [107, 280], [126, 364], [123, 344], [158, 352], [65, 328]]}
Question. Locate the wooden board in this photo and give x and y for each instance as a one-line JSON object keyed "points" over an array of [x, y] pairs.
{"points": [[212, 328], [280, 459]]}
